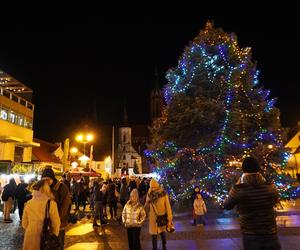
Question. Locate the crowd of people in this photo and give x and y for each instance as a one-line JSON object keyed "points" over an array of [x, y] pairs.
{"points": [[135, 196], [252, 195]]}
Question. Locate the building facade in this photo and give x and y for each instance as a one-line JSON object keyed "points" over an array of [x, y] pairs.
{"points": [[128, 158], [16, 122]]}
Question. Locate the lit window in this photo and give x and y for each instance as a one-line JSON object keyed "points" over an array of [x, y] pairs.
{"points": [[21, 120], [3, 114], [12, 117]]}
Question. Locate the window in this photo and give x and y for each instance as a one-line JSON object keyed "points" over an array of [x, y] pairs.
{"points": [[3, 114], [124, 138], [12, 117], [21, 120]]}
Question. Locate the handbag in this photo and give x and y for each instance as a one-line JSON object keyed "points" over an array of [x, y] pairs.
{"points": [[49, 241], [161, 220]]}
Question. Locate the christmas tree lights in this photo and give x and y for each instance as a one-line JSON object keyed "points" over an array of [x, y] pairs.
{"points": [[215, 112]]}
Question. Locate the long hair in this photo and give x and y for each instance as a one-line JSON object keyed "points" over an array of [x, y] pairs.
{"points": [[44, 188]]}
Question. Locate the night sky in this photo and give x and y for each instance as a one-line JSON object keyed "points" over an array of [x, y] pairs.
{"points": [[74, 63]]}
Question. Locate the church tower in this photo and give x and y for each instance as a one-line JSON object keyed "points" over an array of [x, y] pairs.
{"points": [[127, 156], [156, 99]]}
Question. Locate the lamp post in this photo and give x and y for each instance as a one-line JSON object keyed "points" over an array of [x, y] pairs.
{"points": [[84, 138]]}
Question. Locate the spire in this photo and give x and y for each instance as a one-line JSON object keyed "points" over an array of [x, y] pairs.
{"points": [[125, 116]]}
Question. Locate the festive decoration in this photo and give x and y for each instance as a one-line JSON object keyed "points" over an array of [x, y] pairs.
{"points": [[216, 114]]}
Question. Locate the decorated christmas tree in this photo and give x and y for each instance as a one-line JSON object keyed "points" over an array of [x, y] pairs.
{"points": [[216, 114]]}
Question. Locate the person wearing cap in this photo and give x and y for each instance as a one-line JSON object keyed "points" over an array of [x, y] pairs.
{"points": [[158, 201], [133, 217], [34, 215], [62, 198], [255, 200]]}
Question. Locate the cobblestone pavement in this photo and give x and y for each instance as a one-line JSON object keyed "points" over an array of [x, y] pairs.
{"points": [[221, 232]]}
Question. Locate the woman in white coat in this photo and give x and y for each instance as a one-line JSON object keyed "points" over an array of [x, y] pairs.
{"points": [[34, 215]]}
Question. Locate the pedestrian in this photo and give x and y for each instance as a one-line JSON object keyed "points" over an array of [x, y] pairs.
{"points": [[199, 210], [104, 200], [8, 198], [81, 193], [66, 181], [75, 193], [255, 200], [21, 195], [143, 190], [124, 195], [133, 217], [34, 215], [112, 200], [62, 198], [194, 196], [159, 204], [98, 205]]}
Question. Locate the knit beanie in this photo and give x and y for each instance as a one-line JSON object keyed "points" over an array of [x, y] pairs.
{"points": [[48, 172], [250, 165]]}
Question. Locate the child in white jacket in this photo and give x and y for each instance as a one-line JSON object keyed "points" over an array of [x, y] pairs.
{"points": [[199, 210]]}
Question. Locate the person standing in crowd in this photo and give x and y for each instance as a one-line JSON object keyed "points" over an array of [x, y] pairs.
{"points": [[66, 181], [62, 198], [98, 205], [34, 215], [124, 196], [75, 193], [104, 200], [255, 200], [133, 217], [194, 196], [81, 193], [8, 197], [21, 196], [132, 185], [143, 190], [112, 200], [92, 185], [159, 204], [199, 210]]}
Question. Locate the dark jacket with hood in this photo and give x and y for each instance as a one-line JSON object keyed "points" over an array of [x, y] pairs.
{"points": [[255, 200], [63, 200]]}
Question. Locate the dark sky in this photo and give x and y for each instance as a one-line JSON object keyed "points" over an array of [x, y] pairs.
{"points": [[72, 62]]}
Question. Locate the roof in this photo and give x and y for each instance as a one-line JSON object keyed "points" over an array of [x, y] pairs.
{"points": [[10, 83], [294, 143], [44, 153]]}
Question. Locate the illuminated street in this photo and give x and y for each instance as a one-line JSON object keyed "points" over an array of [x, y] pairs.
{"points": [[222, 230]]}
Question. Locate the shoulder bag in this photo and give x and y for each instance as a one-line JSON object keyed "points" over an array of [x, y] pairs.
{"points": [[49, 241], [161, 220]]}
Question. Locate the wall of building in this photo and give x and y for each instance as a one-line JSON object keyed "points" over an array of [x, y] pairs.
{"points": [[15, 132]]}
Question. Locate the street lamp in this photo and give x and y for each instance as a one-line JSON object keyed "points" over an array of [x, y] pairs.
{"points": [[84, 138], [74, 150]]}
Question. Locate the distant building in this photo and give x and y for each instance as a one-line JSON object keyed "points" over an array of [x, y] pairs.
{"points": [[48, 154], [127, 157], [16, 122], [293, 164]]}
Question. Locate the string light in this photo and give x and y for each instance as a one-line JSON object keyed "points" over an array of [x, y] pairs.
{"points": [[214, 61]]}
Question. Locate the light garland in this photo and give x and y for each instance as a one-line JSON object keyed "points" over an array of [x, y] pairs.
{"points": [[214, 60]]}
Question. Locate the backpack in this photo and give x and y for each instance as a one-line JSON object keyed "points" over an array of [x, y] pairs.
{"points": [[5, 195]]}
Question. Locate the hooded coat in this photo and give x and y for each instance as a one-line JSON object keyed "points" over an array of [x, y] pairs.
{"points": [[157, 199], [33, 219], [255, 200]]}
